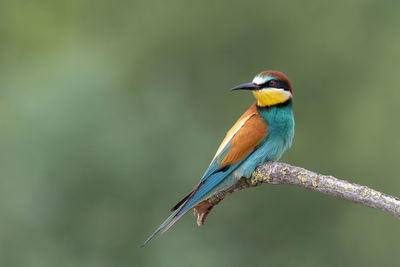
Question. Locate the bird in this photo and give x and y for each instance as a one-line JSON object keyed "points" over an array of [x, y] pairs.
{"points": [[260, 135]]}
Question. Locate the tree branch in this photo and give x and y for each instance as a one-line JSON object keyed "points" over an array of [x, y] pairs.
{"points": [[282, 173]]}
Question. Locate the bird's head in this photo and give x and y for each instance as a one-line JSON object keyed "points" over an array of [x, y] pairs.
{"points": [[269, 88]]}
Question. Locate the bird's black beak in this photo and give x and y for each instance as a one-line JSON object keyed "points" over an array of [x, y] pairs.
{"points": [[246, 86]]}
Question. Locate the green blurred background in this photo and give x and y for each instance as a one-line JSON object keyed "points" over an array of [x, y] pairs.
{"points": [[110, 112]]}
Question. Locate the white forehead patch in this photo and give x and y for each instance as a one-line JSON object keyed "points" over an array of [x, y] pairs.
{"points": [[260, 80]]}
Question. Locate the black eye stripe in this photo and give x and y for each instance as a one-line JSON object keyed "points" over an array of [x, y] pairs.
{"points": [[278, 84]]}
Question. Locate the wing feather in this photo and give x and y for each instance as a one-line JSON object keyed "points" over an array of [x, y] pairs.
{"points": [[245, 140]]}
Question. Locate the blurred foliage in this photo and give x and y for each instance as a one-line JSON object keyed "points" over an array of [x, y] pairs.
{"points": [[110, 111]]}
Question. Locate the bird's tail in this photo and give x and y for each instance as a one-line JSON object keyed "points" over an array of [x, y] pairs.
{"points": [[199, 192], [159, 229], [171, 220]]}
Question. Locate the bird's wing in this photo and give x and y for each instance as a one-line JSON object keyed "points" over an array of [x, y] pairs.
{"points": [[244, 135], [238, 144]]}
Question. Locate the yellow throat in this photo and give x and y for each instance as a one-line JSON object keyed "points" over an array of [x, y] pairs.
{"points": [[270, 97]]}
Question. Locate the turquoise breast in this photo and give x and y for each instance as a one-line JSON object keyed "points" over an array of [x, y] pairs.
{"points": [[279, 137]]}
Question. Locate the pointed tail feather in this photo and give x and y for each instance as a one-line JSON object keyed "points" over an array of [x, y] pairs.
{"points": [[160, 228], [170, 221]]}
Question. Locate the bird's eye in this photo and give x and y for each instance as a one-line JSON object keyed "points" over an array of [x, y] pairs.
{"points": [[272, 83]]}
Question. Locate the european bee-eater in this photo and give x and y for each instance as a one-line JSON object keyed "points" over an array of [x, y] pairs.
{"points": [[261, 134]]}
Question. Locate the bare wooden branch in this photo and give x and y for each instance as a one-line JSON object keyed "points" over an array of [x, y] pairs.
{"points": [[282, 173]]}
